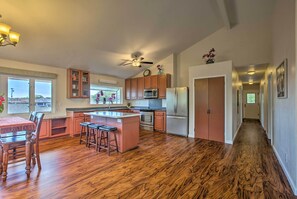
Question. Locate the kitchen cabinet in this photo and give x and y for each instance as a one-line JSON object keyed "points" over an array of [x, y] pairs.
{"points": [[134, 87], [140, 87], [75, 118], [128, 89], [78, 83], [154, 81], [160, 121], [44, 129], [164, 81], [54, 127], [134, 90], [147, 82]]}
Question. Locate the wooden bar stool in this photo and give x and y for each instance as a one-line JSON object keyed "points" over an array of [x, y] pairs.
{"points": [[94, 132], [84, 130], [105, 134]]}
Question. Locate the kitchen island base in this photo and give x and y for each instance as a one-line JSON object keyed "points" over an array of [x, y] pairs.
{"points": [[127, 130]]}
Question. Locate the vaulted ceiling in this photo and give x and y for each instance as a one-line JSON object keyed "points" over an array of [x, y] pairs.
{"points": [[96, 35]]}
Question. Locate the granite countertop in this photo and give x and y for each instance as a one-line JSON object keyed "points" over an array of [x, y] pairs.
{"points": [[112, 114], [114, 108]]}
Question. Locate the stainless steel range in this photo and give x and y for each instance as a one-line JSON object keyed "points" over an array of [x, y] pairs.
{"points": [[147, 119]]}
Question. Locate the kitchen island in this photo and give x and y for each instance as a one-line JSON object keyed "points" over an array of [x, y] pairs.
{"points": [[127, 126]]}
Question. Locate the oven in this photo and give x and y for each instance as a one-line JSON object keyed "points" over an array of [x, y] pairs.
{"points": [[150, 93], [147, 119]]}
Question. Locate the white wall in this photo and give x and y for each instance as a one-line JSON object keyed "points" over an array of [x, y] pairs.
{"points": [[206, 71], [60, 92], [284, 46], [244, 44], [236, 114]]}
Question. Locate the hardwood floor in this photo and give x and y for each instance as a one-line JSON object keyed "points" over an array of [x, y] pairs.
{"points": [[164, 166]]}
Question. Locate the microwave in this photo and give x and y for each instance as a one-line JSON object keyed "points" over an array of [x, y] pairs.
{"points": [[150, 93]]}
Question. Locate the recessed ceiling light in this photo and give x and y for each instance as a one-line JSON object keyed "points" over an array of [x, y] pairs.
{"points": [[251, 82]]}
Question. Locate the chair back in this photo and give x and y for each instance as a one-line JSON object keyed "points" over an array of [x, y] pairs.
{"points": [[32, 116], [38, 119]]}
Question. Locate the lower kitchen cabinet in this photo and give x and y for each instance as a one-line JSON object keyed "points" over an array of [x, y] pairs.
{"points": [[44, 129], [74, 121], [160, 121]]}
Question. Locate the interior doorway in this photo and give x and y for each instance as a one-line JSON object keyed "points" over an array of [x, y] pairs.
{"points": [[251, 101], [210, 108], [270, 109]]}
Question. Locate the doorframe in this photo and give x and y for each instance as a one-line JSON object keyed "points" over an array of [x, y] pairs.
{"points": [[225, 96], [270, 107], [244, 94]]}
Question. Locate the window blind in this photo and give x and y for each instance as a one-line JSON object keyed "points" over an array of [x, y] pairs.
{"points": [[27, 73]]}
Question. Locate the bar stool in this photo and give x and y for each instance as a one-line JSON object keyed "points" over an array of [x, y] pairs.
{"points": [[93, 132], [105, 132], [84, 129]]}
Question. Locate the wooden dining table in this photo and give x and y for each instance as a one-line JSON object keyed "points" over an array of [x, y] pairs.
{"points": [[16, 124]]}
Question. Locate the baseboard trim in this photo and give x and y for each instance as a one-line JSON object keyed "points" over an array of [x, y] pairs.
{"points": [[228, 142], [237, 131], [291, 182]]}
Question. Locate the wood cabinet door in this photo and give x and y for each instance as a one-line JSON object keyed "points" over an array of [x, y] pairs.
{"points": [[140, 87], [160, 121], [77, 126], [128, 89], [162, 85], [134, 90], [154, 81], [216, 105], [147, 82], [201, 108], [44, 129]]}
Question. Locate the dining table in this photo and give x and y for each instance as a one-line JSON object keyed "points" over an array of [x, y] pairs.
{"points": [[10, 126]]}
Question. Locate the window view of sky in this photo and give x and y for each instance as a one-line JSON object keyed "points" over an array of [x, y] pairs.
{"points": [[20, 88]]}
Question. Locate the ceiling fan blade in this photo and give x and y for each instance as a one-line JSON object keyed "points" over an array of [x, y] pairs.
{"points": [[146, 62], [125, 64]]}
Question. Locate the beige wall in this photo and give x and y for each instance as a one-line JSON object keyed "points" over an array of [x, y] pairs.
{"points": [[244, 44], [60, 90], [284, 46]]}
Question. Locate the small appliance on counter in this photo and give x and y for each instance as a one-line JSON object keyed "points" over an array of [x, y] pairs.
{"points": [[177, 111]]}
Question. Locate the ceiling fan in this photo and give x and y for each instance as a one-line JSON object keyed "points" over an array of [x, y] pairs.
{"points": [[136, 60]]}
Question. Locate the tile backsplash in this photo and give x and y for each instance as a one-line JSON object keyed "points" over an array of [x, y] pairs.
{"points": [[156, 103]]}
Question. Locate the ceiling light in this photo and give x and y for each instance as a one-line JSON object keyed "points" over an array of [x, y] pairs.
{"points": [[251, 81], [251, 72], [136, 62], [8, 37]]}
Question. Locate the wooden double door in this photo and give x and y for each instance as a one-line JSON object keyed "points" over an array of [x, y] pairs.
{"points": [[210, 108]]}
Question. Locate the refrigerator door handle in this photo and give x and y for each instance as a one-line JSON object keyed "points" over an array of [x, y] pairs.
{"points": [[176, 117], [175, 101]]}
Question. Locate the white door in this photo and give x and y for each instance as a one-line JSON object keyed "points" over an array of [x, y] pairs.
{"points": [[251, 104]]}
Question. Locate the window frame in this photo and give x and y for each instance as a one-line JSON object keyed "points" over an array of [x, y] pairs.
{"points": [[32, 99], [255, 102], [108, 87]]}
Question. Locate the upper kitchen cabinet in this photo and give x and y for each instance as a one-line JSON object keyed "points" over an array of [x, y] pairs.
{"points": [[134, 87], [140, 87], [128, 89], [164, 81], [78, 83], [134, 90]]}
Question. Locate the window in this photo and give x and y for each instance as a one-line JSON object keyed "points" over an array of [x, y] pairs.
{"points": [[26, 95], [105, 95], [251, 98]]}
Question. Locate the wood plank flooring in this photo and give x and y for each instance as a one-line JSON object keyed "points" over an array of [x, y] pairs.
{"points": [[164, 166]]}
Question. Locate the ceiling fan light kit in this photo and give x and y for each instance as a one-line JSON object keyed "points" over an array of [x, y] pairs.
{"points": [[136, 61], [8, 37]]}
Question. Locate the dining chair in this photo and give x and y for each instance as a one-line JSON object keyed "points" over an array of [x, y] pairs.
{"points": [[32, 116], [18, 140]]}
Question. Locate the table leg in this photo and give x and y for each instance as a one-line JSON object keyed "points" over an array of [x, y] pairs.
{"points": [[5, 162], [28, 153]]}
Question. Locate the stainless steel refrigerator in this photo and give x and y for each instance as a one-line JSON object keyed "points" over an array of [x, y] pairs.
{"points": [[177, 111]]}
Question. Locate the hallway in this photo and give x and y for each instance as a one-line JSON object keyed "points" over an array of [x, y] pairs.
{"points": [[164, 166]]}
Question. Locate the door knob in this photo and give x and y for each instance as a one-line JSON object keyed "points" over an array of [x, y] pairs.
{"points": [[208, 111]]}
